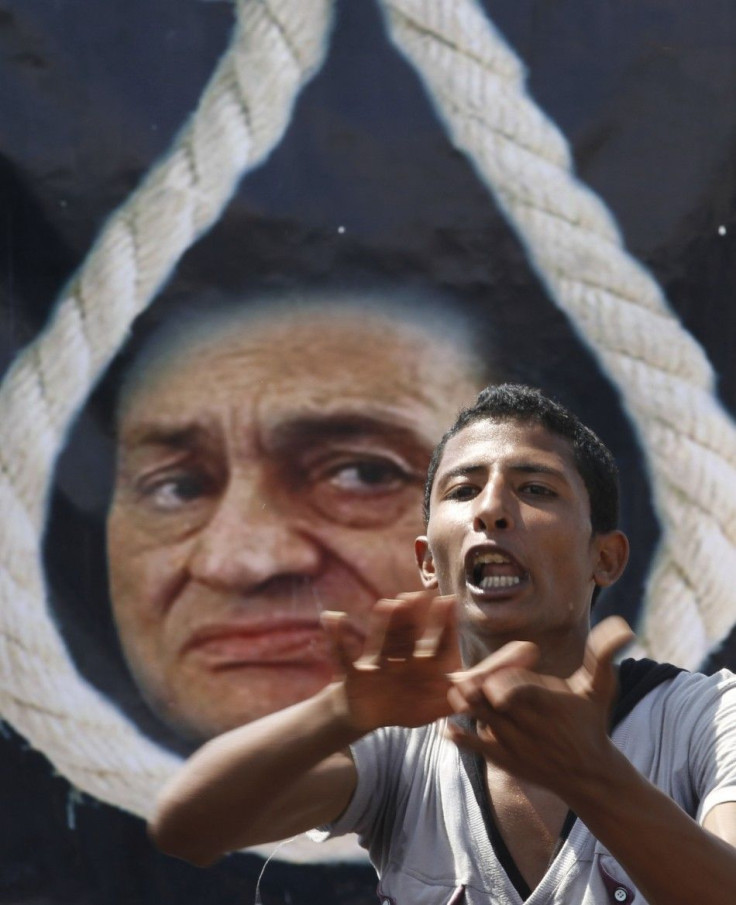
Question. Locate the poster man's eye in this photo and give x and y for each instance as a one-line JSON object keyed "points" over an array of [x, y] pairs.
{"points": [[368, 476], [364, 490], [174, 491]]}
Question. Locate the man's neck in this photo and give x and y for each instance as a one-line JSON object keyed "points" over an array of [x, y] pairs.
{"points": [[560, 653], [529, 820]]}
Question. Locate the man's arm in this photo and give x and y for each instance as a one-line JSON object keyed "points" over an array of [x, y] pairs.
{"points": [[553, 732], [268, 780], [289, 772], [671, 859]]}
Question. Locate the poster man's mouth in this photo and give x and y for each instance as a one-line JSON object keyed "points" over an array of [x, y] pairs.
{"points": [[267, 643]]}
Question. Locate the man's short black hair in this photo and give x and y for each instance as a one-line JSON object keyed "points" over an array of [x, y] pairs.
{"points": [[593, 459]]}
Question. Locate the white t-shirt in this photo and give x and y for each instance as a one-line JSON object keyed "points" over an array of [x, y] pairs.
{"points": [[417, 810]]}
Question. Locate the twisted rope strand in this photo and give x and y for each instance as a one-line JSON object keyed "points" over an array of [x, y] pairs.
{"points": [[242, 114], [663, 375]]}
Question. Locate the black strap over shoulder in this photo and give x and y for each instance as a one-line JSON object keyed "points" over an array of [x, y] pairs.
{"points": [[636, 679]]}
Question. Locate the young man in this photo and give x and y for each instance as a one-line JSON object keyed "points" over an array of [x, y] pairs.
{"points": [[555, 783]]}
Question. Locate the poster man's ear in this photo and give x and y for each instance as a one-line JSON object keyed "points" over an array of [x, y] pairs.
{"points": [[613, 554], [425, 562]]}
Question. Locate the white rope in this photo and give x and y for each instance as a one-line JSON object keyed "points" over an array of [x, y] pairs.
{"points": [[665, 380], [277, 45]]}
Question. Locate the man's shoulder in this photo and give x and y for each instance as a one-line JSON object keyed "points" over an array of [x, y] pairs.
{"points": [[644, 681], [393, 748], [403, 736], [636, 679]]}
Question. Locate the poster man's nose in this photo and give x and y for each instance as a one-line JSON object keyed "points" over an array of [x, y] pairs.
{"points": [[251, 539]]}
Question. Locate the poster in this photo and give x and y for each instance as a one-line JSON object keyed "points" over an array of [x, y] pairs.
{"points": [[465, 191]]}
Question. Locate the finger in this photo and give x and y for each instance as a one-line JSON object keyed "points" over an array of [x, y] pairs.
{"points": [[420, 605], [509, 688], [488, 746], [403, 629], [493, 700], [480, 711], [440, 632], [463, 739], [423, 615], [518, 654], [457, 701], [393, 627], [426, 594], [378, 620], [448, 645]]}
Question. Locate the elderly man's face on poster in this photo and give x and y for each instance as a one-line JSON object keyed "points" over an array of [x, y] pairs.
{"points": [[268, 470]]}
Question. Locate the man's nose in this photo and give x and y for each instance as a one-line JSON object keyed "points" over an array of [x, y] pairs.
{"points": [[493, 507], [251, 539]]}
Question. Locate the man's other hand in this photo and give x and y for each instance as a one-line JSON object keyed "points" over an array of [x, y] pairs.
{"points": [[544, 729]]}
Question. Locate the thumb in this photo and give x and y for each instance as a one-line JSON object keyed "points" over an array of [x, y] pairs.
{"points": [[337, 628], [604, 641]]}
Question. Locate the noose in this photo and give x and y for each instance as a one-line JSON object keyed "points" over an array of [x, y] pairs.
{"points": [[276, 47], [666, 383], [478, 86]]}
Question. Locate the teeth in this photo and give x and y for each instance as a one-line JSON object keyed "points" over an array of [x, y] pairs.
{"points": [[499, 581], [482, 558]]}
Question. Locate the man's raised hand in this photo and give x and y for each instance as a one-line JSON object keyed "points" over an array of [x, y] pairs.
{"points": [[403, 674], [544, 729]]}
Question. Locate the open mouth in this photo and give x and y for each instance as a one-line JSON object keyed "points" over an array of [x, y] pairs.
{"points": [[490, 571]]}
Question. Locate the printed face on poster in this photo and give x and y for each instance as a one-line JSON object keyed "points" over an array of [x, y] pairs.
{"points": [[269, 466]]}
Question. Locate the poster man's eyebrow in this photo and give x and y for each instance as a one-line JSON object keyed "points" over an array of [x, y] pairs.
{"points": [[157, 434], [318, 428]]}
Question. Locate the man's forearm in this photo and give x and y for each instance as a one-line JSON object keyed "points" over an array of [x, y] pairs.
{"points": [[285, 774], [228, 795], [670, 858]]}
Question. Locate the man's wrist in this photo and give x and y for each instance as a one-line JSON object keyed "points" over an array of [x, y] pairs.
{"points": [[605, 782], [335, 699]]}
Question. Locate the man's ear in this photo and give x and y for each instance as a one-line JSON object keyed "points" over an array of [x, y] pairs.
{"points": [[613, 554], [425, 562]]}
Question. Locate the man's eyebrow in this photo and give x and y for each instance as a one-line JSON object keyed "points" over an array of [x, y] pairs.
{"points": [[464, 471], [537, 468], [460, 471]]}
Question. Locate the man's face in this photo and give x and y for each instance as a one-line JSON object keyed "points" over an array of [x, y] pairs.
{"points": [[510, 534], [263, 477]]}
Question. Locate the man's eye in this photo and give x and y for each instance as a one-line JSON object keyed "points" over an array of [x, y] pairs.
{"points": [[461, 492], [537, 490], [367, 476]]}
